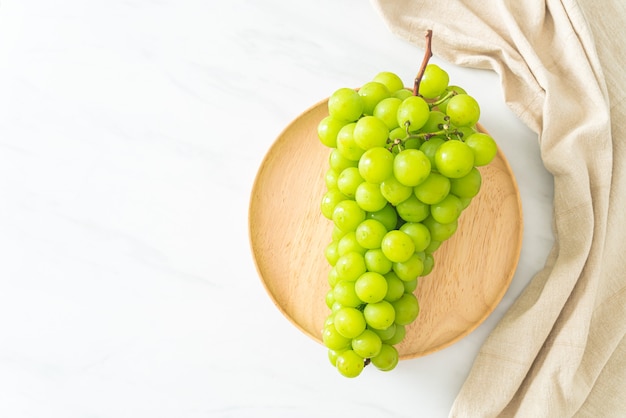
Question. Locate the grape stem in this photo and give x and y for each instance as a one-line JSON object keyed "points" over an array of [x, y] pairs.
{"points": [[442, 99], [427, 54]]}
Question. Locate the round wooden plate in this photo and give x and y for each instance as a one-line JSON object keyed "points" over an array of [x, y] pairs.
{"points": [[288, 235]]}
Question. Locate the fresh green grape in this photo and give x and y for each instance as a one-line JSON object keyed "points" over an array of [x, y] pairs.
{"points": [[484, 147], [350, 266], [348, 180], [370, 132], [376, 165], [398, 335], [332, 356], [411, 167], [387, 216], [397, 133], [371, 94], [333, 339], [376, 261], [454, 159], [338, 162], [412, 209], [367, 344], [433, 82], [429, 148], [411, 285], [337, 233], [409, 269], [429, 264], [387, 359], [347, 214], [331, 253], [349, 322], [330, 298], [402, 93], [379, 315], [330, 178], [395, 287], [369, 233], [419, 233], [344, 293], [348, 243], [391, 80], [345, 104], [333, 276], [443, 105], [397, 246], [371, 287], [436, 121], [432, 190], [327, 131], [407, 309], [394, 191], [413, 111], [329, 201], [448, 210], [346, 144], [433, 246], [463, 110], [439, 231], [387, 110], [467, 186], [350, 364], [369, 197]]}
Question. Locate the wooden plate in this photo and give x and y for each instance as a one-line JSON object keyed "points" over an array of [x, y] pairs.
{"points": [[288, 235]]}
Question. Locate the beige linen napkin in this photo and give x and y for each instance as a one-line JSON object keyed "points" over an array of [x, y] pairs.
{"points": [[560, 351]]}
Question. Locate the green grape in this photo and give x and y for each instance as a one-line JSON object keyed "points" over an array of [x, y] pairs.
{"points": [[411, 167], [395, 287], [333, 339], [386, 333], [343, 292], [434, 81], [432, 190], [369, 234], [465, 131], [394, 191], [348, 180], [338, 162], [433, 246], [330, 298], [350, 266], [463, 110], [387, 216], [379, 315], [483, 146], [369, 198], [467, 186], [413, 111], [465, 201], [439, 231], [429, 264], [349, 322], [371, 287], [347, 214], [345, 104], [397, 133], [337, 233], [370, 132], [412, 209], [333, 276], [411, 285], [367, 344], [327, 131], [376, 261], [443, 105], [387, 359], [348, 243], [454, 159], [330, 199], [397, 246], [331, 253], [419, 233], [376, 165], [448, 210], [387, 110], [436, 121], [402, 93], [398, 335], [371, 94], [407, 309], [346, 144], [413, 143], [330, 178], [410, 269], [429, 148], [349, 364], [392, 81], [332, 356]]}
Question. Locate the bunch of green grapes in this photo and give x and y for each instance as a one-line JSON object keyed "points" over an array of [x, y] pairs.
{"points": [[402, 168]]}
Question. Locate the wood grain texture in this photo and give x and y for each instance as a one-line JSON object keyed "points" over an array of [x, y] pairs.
{"points": [[288, 235]]}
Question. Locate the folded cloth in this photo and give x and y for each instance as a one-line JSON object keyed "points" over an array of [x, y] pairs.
{"points": [[560, 350]]}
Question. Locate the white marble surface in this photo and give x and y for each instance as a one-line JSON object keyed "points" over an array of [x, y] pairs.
{"points": [[130, 135]]}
